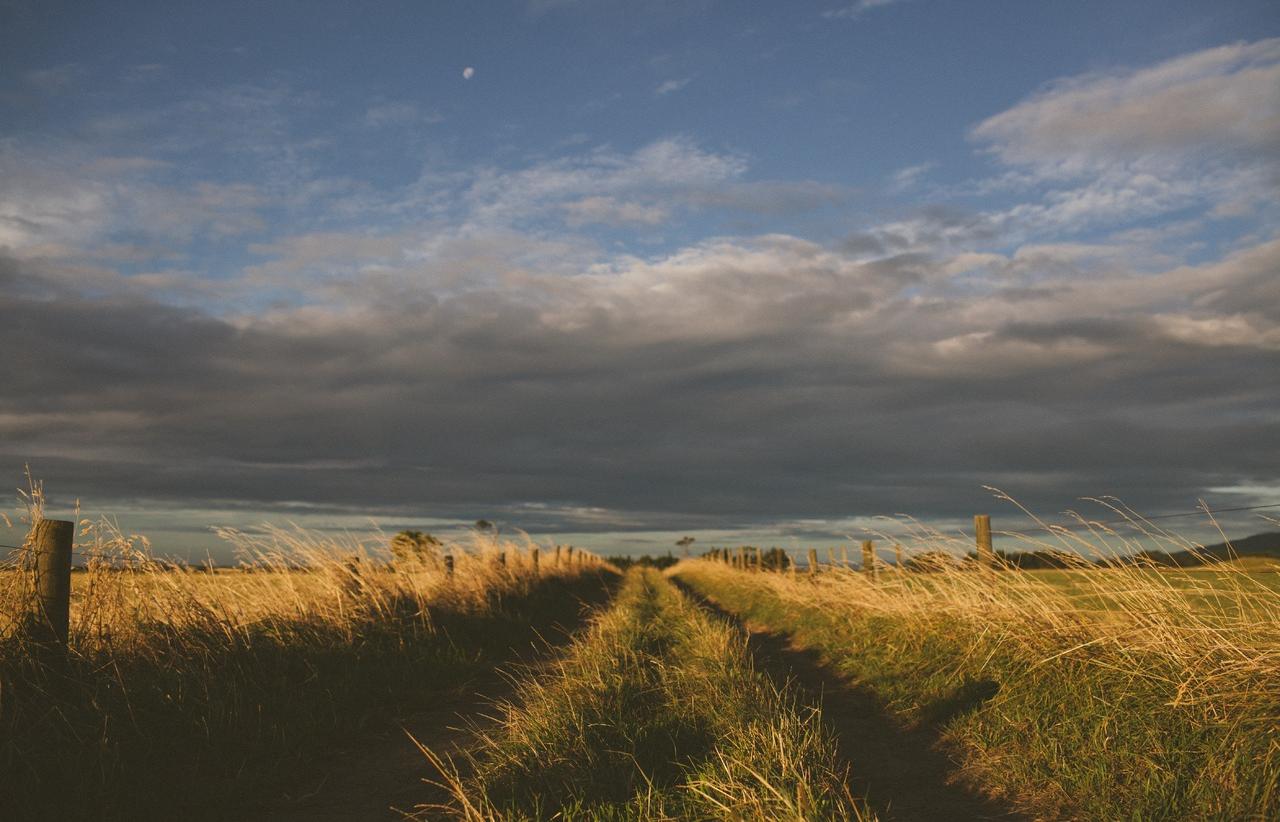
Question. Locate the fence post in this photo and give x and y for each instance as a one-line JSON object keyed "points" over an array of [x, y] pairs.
{"points": [[759, 559], [557, 555], [869, 558], [533, 556], [52, 539], [982, 535], [813, 561], [448, 565]]}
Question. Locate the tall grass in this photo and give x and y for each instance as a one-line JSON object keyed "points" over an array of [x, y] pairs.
{"points": [[1097, 692], [654, 713], [187, 693]]}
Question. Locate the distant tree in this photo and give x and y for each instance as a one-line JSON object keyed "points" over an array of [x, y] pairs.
{"points": [[486, 527], [775, 559], [411, 545], [684, 543], [646, 561]]}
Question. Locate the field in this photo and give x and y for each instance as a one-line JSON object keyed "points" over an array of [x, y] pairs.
{"points": [[1085, 694], [189, 694], [709, 691]]}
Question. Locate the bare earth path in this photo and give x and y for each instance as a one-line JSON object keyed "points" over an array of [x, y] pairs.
{"points": [[902, 773]]}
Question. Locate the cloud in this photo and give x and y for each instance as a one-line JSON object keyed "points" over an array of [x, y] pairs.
{"points": [[906, 178], [696, 384], [853, 12], [468, 73], [1218, 100], [670, 86], [385, 114], [1196, 134], [476, 337], [609, 211]]}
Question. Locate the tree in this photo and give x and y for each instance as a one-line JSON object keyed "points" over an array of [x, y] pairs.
{"points": [[685, 542], [486, 527], [411, 545], [775, 559]]}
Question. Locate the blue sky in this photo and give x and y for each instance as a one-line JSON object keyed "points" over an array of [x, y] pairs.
{"points": [[626, 270]]}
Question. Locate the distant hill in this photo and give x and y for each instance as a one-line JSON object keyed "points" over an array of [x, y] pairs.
{"points": [[1259, 545]]}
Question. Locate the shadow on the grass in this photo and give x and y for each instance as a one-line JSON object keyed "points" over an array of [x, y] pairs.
{"points": [[382, 775], [901, 772]]}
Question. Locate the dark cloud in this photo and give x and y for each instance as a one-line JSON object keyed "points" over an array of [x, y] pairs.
{"points": [[818, 392]]}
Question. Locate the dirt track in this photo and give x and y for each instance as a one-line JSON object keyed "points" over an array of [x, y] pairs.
{"points": [[902, 773]]}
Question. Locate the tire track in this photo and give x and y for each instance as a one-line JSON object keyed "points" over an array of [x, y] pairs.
{"points": [[903, 773]]}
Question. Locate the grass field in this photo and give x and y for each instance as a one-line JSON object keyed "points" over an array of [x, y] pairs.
{"points": [[1091, 694], [191, 694], [655, 713], [1094, 693]]}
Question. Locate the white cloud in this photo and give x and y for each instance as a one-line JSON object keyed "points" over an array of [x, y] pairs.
{"points": [[907, 178], [672, 86], [610, 211], [665, 169], [856, 10], [1225, 98]]}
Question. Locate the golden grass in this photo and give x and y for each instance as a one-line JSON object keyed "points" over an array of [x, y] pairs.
{"points": [[1126, 686]]}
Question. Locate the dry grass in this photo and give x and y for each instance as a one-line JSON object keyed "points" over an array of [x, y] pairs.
{"points": [[655, 713], [191, 691], [1112, 691]]}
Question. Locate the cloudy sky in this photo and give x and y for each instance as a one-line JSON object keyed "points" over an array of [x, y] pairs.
{"points": [[617, 271]]}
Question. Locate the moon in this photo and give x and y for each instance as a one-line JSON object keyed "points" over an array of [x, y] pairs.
{"points": [[468, 73]]}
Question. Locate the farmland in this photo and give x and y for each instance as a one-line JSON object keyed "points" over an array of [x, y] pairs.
{"points": [[204, 695], [713, 689]]}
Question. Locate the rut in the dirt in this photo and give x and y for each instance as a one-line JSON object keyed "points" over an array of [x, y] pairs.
{"points": [[655, 712]]}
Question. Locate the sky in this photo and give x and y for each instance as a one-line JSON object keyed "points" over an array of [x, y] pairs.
{"points": [[614, 272]]}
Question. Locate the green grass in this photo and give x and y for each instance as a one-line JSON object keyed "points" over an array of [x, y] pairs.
{"points": [[655, 713], [1103, 711]]}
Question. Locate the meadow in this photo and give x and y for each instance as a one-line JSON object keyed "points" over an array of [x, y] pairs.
{"points": [[194, 694], [710, 689], [1100, 693]]}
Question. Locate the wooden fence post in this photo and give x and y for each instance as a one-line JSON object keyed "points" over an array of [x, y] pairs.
{"points": [[982, 535], [52, 539], [844, 556], [869, 558], [448, 565], [557, 555], [533, 557], [813, 561]]}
